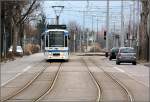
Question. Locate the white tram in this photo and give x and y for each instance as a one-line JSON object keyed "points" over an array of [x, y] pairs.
{"points": [[56, 42]]}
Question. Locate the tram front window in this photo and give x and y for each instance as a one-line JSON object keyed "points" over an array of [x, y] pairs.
{"points": [[56, 39]]}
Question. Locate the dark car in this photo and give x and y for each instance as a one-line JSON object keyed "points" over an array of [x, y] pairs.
{"points": [[126, 55], [113, 53]]}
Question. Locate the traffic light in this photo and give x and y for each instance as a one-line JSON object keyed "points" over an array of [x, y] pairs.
{"points": [[104, 35], [127, 36]]}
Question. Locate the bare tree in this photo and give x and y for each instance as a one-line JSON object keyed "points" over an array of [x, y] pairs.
{"points": [[14, 15], [75, 35], [144, 36], [18, 18]]}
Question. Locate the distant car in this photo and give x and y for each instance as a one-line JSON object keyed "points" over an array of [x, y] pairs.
{"points": [[113, 53], [126, 55], [19, 50]]}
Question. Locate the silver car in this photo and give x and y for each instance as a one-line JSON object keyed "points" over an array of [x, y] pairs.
{"points": [[126, 55], [19, 50]]}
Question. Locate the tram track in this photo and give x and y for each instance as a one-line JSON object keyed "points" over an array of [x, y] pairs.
{"points": [[26, 85], [98, 99], [117, 81], [42, 94], [49, 89]]}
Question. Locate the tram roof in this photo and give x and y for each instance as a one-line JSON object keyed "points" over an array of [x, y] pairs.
{"points": [[56, 30], [45, 32]]}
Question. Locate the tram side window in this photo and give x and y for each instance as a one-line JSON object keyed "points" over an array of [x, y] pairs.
{"points": [[46, 42], [66, 41]]}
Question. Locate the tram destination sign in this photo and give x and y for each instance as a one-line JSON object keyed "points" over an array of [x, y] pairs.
{"points": [[56, 27]]}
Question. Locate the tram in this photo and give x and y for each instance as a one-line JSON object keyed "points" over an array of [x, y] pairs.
{"points": [[56, 42]]}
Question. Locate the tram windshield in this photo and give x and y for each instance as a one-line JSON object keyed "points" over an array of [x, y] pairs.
{"points": [[55, 39]]}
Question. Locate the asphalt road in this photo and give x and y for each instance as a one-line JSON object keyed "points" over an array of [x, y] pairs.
{"points": [[74, 84]]}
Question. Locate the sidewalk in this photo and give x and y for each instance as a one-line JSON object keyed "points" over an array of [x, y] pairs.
{"points": [[11, 69], [89, 54], [147, 64]]}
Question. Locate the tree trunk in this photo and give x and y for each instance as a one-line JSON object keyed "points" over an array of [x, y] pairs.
{"points": [[144, 37], [15, 38]]}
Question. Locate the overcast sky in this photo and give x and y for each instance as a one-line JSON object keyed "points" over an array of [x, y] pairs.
{"points": [[73, 11]]}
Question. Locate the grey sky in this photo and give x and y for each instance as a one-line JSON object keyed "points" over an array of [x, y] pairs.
{"points": [[73, 11]]}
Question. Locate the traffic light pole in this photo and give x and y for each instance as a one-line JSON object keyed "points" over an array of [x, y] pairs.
{"points": [[122, 25], [107, 27]]}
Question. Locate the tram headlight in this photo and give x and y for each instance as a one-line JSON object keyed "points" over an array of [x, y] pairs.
{"points": [[62, 55], [50, 55]]}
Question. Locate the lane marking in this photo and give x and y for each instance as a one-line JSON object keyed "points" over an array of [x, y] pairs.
{"points": [[119, 69], [131, 76], [27, 68], [23, 71]]}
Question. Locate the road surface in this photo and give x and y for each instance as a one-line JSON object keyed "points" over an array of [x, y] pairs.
{"points": [[82, 79]]}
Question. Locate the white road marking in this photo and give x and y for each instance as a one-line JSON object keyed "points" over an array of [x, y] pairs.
{"points": [[131, 76], [24, 70], [119, 69]]}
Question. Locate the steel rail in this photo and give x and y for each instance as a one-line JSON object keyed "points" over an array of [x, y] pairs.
{"points": [[95, 81], [26, 85], [117, 81], [50, 87]]}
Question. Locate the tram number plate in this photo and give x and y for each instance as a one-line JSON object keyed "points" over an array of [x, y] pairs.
{"points": [[56, 54]]}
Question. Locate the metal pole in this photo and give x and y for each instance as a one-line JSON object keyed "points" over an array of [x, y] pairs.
{"points": [[96, 35], [138, 29], [134, 33], [83, 29], [122, 25], [114, 40], [80, 42], [87, 40], [74, 42], [107, 27], [130, 29], [57, 20], [92, 32]]}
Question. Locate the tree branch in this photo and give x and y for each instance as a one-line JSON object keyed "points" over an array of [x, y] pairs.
{"points": [[30, 8]]}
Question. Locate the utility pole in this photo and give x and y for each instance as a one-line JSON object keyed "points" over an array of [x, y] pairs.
{"points": [[83, 29], [107, 27], [134, 33], [80, 42], [87, 31], [138, 29], [122, 25], [129, 36], [92, 31], [74, 39], [96, 35], [114, 36]]}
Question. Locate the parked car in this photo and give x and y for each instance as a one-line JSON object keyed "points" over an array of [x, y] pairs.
{"points": [[126, 55], [113, 53], [19, 50]]}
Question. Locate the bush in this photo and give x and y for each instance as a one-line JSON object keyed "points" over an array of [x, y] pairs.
{"points": [[31, 48]]}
